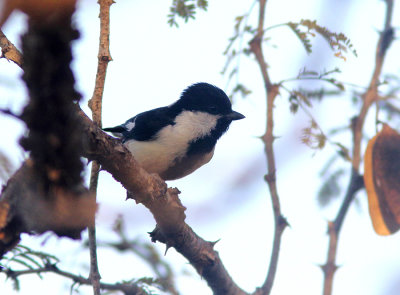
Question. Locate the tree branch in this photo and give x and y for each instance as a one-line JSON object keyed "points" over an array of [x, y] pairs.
{"points": [[148, 189], [94, 274], [163, 203], [47, 193], [95, 104], [356, 183], [104, 57], [26, 206], [9, 51], [272, 90]]}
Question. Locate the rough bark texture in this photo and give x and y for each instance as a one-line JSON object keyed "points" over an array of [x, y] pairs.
{"points": [[47, 192], [27, 205], [54, 138]]}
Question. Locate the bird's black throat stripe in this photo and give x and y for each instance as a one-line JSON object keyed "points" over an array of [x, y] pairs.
{"points": [[207, 143]]}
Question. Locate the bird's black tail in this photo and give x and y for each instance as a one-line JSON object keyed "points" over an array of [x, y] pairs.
{"points": [[117, 131]]}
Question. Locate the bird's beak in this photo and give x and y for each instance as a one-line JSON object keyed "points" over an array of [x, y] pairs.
{"points": [[234, 116]]}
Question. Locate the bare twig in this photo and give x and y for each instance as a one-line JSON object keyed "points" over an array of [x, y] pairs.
{"points": [[126, 288], [9, 113], [148, 253], [272, 90], [104, 57], [94, 275], [9, 51], [355, 183], [95, 105]]}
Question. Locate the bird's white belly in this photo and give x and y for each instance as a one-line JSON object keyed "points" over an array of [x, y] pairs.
{"points": [[169, 163], [166, 153], [153, 156]]}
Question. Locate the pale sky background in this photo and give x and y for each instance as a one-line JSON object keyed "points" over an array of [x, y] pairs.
{"points": [[227, 199]]}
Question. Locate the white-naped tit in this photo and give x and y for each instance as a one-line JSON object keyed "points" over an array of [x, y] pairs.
{"points": [[175, 140]]}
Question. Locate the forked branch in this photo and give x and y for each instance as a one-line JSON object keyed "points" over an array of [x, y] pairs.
{"points": [[356, 182], [272, 91]]}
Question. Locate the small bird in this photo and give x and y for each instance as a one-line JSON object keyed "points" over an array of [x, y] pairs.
{"points": [[175, 140]]}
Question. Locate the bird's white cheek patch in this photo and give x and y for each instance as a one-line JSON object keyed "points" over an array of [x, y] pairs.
{"points": [[193, 125]]}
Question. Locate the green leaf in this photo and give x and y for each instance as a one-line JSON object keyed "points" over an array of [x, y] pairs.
{"points": [[22, 262], [242, 89], [335, 83], [203, 4], [185, 9], [313, 137], [306, 28], [302, 36], [27, 257], [302, 98]]}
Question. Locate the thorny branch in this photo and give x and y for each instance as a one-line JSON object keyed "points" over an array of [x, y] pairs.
{"points": [[163, 203], [355, 183], [272, 91], [95, 105], [153, 193]]}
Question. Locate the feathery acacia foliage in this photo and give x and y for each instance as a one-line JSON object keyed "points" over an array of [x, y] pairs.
{"points": [[185, 9]]}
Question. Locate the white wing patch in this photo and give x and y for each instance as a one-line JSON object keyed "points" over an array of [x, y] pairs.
{"points": [[171, 142], [130, 125]]}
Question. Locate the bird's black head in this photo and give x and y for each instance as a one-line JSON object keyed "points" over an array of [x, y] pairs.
{"points": [[204, 97]]}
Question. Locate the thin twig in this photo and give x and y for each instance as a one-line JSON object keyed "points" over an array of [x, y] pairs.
{"points": [[148, 253], [128, 288], [95, 105], [94, 275], [9, 113], [272, 90], [355, 183]]}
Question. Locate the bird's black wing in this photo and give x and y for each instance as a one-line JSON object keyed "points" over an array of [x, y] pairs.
{"points": [[144, 126]]}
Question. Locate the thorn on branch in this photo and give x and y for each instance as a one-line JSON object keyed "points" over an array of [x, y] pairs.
{"points": [[156, 235], [282, 222], [386, 40], [106, 58], [167, 247], [328, 268], [212, 244], [270, 177], [255, 45]]}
